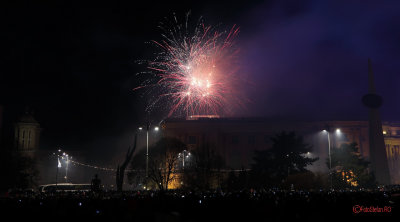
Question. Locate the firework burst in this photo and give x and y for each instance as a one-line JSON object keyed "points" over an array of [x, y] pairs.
{"points": [[195, 72]]}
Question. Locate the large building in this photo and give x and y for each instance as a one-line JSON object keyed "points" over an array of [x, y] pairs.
{"points": [[27, 135], [1, 125], [391, 133], [235, 139]]}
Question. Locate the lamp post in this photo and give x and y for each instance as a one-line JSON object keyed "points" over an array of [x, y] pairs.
{"points": [[63, 156], [66, 168], [58, 166], [147, 144], [184, 159], [184, 154], [338, 132], [147, 149], [329, 156]]}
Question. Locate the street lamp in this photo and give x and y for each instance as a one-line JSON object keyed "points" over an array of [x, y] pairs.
{"points": [[66, 167], [329, 154], [58, 166], [147, 144], [63, 156], [184, 154]]}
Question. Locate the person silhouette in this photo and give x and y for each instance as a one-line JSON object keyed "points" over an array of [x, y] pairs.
{"points": [[96, 182]]}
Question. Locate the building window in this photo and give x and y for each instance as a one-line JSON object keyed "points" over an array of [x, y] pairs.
{"points": [[29, 138], [252, 140], [396, 150], [192, 139], [23, 139], [235, 139]]}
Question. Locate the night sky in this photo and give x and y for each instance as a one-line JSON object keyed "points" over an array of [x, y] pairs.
{"points": [[74, 65]]}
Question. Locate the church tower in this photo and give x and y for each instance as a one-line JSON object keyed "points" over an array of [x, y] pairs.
{"points": [[27, 135], [377, 147]]}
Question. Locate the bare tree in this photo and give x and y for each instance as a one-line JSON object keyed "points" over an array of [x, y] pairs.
{"points": [[121, 169], [163, 161], [162, 169]]}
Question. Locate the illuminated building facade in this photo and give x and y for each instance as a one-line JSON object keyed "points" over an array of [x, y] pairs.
{"points": [[391, 133], [27, 135], [1, 124], [236, 139]]}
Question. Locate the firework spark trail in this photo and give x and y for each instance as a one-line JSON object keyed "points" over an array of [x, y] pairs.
{"points": [[195, 73]]}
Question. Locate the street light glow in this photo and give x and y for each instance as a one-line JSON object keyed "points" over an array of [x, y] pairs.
{"points": [[147, 144], [338, 130], [329, 153]]}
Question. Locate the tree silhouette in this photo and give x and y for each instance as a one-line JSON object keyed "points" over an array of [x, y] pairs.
{"points": [[163, 160], [121, 168], [204, 168], [350, 168], [19, 170], [287, 156]]}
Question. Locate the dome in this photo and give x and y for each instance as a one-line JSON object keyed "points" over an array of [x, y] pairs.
{"points": [[27, 118]]}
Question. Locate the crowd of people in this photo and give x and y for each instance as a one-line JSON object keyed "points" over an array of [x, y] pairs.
{"points": [[179, 205]]}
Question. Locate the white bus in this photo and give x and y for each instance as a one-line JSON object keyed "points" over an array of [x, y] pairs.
{"points": [[64, 187]]}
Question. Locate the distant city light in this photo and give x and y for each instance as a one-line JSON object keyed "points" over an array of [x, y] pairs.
{"points": [[156, 128], [140, 128], [338, 130]]}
